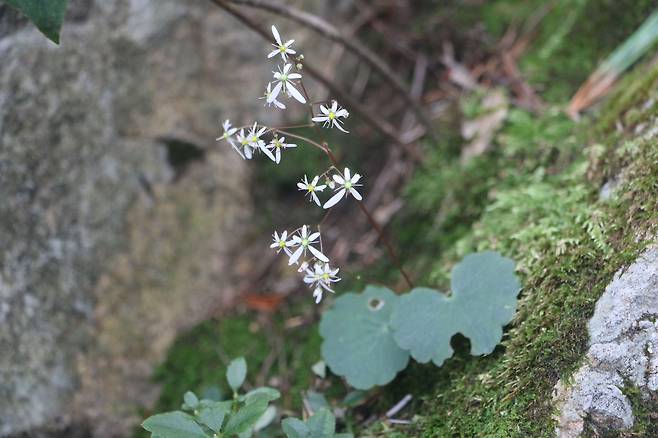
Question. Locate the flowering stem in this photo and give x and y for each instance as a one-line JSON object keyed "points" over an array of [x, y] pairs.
{"points": [[352, 44], [378, 124], [389, 248]]}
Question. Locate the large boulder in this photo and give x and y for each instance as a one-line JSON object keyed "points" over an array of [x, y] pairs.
{"points": [[118, 211]]}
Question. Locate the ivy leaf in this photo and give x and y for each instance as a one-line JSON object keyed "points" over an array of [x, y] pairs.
{"points": [[322, 424], [295, 428], [212, 414], [483, 300], [246, 417], [236, 373], [358, 341], [175, 424], [47, 15]]}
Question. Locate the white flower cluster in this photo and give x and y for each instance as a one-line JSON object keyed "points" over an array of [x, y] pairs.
{"points": [[304, 244], [303, 247], [344, 185]]}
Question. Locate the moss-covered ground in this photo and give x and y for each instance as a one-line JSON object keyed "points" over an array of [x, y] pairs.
{"points": [[535, 197]]}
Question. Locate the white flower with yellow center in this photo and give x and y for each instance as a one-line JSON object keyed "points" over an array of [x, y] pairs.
{"points": [[277, 145], [285, 78], [280, 242], [345, 185], [304, 241], [281, 48], [311, 188], [229, 131], [322, 276], [331, 116]]}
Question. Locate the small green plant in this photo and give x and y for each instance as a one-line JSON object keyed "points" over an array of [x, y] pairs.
{"points": [[241, 416], [369, 337], [320, 425]]}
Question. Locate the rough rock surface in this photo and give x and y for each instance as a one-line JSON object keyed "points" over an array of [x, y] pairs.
{"points": [[117, 216], [623, 350]]}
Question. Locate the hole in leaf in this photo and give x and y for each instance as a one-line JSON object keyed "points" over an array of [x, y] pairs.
{"points": [[375, 304]]}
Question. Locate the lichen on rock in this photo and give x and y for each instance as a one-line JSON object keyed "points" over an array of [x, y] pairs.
{"points": [[623, 337]]}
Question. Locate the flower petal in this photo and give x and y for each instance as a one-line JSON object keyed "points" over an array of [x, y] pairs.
{"points": [[318, 254], [277, 37], [296, 94], [334, 199], [356, 194], [296, 255], [275, 92]]}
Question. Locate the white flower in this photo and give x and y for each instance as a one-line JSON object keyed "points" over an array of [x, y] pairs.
{"points": [[281, 48], [243, 140], [303, 267], [228, 130], [345, 186], [305, 240], [253, 139], [311, 187], [276, 145], [228, 136], [322, 276], [254, 136], [330, 116], [280, 242], [284, 77], [271, 95]]}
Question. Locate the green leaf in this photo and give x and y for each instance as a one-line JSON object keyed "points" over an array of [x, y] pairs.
{"points": [[191, 399], [316, 400], [236, 373], [212, 414], [270, 394], [47, 15], [358, 341], [320, 369], [266, 419], [246, 417], [295, 428], [354, 398], [322, 424], [175, 424], [484, 290], [344, 435]]}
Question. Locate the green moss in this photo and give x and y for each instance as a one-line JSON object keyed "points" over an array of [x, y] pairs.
{"points": [[539, 205], [644, 409]]}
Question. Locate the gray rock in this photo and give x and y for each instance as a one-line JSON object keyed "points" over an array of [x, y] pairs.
{"points": [[622, 350], [110, 243]]}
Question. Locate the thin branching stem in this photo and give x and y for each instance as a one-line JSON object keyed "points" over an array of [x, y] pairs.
{"points": [[352, 44], [378, 124], [371, 220]]}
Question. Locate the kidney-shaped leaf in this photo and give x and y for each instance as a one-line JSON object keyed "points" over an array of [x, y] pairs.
{"points": [[483, 300], [47, 15], [358, 341]]}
